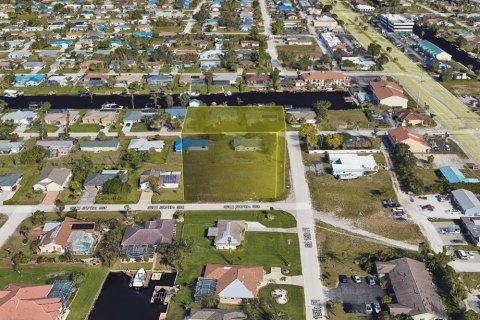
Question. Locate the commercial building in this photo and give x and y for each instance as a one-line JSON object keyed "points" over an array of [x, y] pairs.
{"points": [[326, 79], [416, 142], [453, 175], [471, 226], [466, 202], [434, 51], [351, 166], [388, 93], [333, 42], [396, 23], [412, 284]]}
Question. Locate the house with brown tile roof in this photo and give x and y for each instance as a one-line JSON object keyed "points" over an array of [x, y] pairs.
{"points": [[326, 79], [416, 142], [409, 117], [388, 93], [103, 117], [26, 302], [59, 117], [231, 283], [77, 237], [415, 293]]}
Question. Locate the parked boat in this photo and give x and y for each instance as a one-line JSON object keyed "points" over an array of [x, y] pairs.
{"points": [[138, 280], [111, 106], [12, 93]]}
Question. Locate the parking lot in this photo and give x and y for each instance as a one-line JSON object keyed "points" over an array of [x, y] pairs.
{"points": [[449, 238], [440, 209], [355, 295], [474, 257]]}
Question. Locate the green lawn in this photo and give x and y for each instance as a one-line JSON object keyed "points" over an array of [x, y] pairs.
{"points": [[117, 126], [25, 194], [296, 301], [345, 119], [85, 295], [139, 127], [85, 127], [35, 128], [471, 279], [342, 252], [281, 219]]}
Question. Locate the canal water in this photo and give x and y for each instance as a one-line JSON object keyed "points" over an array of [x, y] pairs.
{"points": [[120, 302], [457, 54], [340, 100]]}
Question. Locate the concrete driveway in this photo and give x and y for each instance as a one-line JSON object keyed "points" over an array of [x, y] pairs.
{"points": [[146, 196], [5, 195], [88, 196], [50, 197]]}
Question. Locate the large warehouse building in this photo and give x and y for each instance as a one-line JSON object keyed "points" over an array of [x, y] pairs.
{"points": [[434, 51], [466, 201]]}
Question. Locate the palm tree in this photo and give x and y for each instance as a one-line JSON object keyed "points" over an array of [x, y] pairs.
{"points": [[44, 107]]}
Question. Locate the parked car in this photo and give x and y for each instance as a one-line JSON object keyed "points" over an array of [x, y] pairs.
{"points": [[428, 207], [371, 280], [398, 209], [454, 211], [368, 309], [461, 254], [422, 197], [376, 307], [343, 278], [471, 254], [356, 279]]}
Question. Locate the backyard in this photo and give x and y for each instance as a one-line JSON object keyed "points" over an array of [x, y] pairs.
{"points": [[345, 119]]}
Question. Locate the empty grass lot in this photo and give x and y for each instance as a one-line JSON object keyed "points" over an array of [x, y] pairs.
{"points": [[295, 305], [35, 128], [471, 279], [345, 119], [41, 274], [343, 251], [359, 201], [312, 50], [281, 219]]}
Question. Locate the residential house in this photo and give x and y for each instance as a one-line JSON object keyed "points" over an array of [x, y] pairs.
{"points": [[21, 301], [231, 283], [19, 54], [161, 80], [103, 117], [257, 80], [412, 285], [227, 234], [249, 43], [10, 181], [165, 179], [140, 241], [132, 117], [175, 113], [388, 93], [241, 143], [94, 80], [409, 117], [191, 145], [351, 166], [56, 148], [63, 80], [74, 236], [216, 314], [143, 144], [224, 79], [325, 22], [303, 116], [100, 145], [416, 142], [466, 201], [11, 147], [326, 79], [28, 80], [97, 180], [53, 179], [59, 117], [20, 117]]}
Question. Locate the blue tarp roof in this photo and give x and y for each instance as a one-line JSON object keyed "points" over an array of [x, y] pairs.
{"points": [[453, 175], [182, 144]]}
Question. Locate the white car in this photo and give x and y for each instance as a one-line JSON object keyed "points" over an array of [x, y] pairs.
{"points": [[368, 308], [376, 307], [356, 279], [471, 254]]}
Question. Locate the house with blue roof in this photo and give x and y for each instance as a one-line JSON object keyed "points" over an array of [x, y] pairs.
{"points": [[453, 175], [191, 145], [159, 79], [176, 112], [142, 34], [186, 4], [115, 43], [28, 80], [284, 8], [61, 43]]}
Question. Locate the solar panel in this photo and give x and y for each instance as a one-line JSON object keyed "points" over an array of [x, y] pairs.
{"points": [[83, 226]]}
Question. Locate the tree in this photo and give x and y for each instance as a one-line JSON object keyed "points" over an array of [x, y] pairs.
{"points": [[278, 27], [184, 99], [175, 253], [44, 107], [210, 300], [309, 132], [154, 184], [320, 107], [169, 101], [333, 141], [386, 299], [383, 59], [275, 78], [77, 277], [430, 160], [38, 218], [33, 155], [374, 49], [114, 186], [60, 205], [208, 80]]}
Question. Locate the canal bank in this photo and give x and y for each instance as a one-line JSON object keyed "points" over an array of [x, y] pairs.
{"points": [[341, 100]]}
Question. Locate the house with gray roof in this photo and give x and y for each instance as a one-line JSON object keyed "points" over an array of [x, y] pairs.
{"points": [[20, 117], [56, 148], [216, 314], [11, 147], [143, 144], [100, 145], [412, 284], [53, 179], [10, 181], [132, 117], [466, 202], [241, 143], [140, 241], [471, 226], [227, 234], [97, 180]]}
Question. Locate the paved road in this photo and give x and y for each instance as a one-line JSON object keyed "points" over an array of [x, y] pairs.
{"points": [[465, 266], [191, 22], [450, 112], [303, 211], [267, 25]]}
